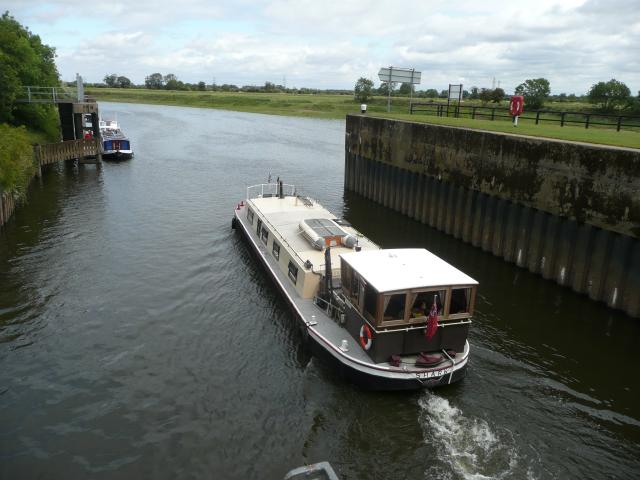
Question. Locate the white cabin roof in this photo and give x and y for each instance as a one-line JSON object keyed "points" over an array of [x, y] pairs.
{"points": [[405, 268], [284, 215]]}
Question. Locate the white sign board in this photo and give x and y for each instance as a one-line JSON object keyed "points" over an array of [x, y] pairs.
{"points": [[399, 75], [455, 92]]}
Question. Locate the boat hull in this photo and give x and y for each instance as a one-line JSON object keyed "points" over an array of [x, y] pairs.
{"points": [[117, 156], [379, 383], [368, 377]]}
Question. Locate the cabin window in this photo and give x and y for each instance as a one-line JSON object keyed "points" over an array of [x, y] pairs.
{"points": [[394, 306], [276, 250], [264, 235], [259, 227], [355, 287], [460, 300], [293, 272], [250, 216], [370, 301], [420, 306], [345, 273], [423, 301]]}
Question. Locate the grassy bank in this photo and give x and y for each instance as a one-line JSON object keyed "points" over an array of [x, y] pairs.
{"points": [[16, 159], [601, 136], [337, 106]]}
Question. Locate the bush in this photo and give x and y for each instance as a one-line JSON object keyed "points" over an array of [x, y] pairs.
{"points": [[16, 159]]}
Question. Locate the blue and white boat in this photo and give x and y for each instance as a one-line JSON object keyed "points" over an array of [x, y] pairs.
{"points": [[115, 144]]}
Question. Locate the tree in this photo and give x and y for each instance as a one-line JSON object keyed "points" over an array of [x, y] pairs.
{"points": [[123, 82], [154, 81], [363, 90], [202, 86], [111, 80], [535, 92], [25, 60], [485, 95], [497, 95], [405, 89], [385, 87], [609, 95], [431, 93], [475, 93]]}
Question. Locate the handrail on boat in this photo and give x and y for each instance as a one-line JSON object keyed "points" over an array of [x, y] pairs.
{"points": [[270, 189], [330, 307], [288, 190]]}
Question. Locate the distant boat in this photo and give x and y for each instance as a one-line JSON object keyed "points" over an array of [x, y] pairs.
{"points": [[115, 144]]}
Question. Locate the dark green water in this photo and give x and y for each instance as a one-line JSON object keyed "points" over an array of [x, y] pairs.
{"points": [[140, 339]]}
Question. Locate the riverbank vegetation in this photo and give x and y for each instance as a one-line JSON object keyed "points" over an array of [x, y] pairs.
{"points": [[16, 159], [24, 60], [337, 106]]}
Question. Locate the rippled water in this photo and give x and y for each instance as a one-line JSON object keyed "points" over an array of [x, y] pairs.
{"points": [[139, 338]]}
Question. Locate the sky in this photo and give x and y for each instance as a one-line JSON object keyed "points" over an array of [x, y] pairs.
{"points": [[330, 44]]}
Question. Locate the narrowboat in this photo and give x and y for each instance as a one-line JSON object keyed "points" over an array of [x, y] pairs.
{"points": [[115, 144], [388, 319]]}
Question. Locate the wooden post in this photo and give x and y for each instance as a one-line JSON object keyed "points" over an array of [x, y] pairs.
{"points": [[537, 117], [36, 160], [619, 124], [562, 119], [586, 122]]}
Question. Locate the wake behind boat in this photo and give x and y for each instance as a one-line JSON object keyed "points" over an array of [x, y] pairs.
{"points": [[115, 144], [390, 319]]}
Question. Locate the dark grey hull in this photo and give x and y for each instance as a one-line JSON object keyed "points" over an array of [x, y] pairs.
{"points": [[117, 156]]}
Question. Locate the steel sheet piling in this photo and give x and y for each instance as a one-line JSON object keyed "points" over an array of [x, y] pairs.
{"points": [[601, 264]]}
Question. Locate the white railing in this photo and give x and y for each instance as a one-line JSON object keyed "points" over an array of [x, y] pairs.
{"points": [[33, 94], [269, 190]]}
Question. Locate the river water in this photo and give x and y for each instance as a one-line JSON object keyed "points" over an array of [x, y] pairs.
{"points": [[140, 339]]}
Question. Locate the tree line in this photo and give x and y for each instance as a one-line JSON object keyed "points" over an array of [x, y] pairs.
{"points": [[158, 81], [607, 97], [24, 61]]}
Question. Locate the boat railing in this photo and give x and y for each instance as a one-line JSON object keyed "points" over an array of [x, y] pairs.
{"points": [[289, 247], [330, 307], [269, 190]]}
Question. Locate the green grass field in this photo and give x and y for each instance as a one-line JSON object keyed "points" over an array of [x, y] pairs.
{"points": [[337, 106]]}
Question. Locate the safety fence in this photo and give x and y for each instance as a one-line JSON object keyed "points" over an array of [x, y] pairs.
{"points": [[619, 122]]}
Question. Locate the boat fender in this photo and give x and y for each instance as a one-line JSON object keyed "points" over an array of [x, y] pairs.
{"points": [[234, 223], [349, 241], [315, 240], [366, 337]]}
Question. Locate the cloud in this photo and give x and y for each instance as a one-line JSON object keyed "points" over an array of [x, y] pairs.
{"points": [[573, 43]]}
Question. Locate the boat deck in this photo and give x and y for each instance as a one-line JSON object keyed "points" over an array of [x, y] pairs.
{"points": [[284, 216]]}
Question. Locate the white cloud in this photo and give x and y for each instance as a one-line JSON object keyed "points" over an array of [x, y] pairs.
{"points": [[573, 43]]}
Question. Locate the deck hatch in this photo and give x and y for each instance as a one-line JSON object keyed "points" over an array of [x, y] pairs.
{"points": [[325, 227]]}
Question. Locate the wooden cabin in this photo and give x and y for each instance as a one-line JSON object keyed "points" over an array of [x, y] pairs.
{"points": [[392, 291]]}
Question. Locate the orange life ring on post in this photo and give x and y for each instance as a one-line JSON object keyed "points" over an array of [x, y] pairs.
{"points": [[366, 337]]}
